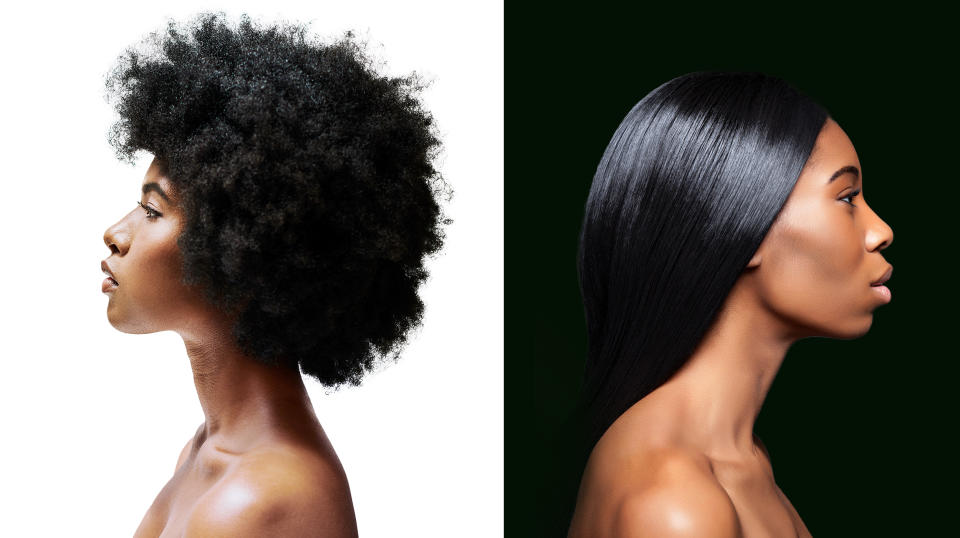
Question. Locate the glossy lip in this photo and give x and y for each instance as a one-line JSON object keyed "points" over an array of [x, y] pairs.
{"points": [[883, 278], [883, 292]]}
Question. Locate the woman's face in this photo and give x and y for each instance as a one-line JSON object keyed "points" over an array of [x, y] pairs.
{"points": [[144, 281], [819, 266]]}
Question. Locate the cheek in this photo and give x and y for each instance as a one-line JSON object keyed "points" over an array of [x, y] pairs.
{"points": [[152, 297], [813, 276], [160, 274]]}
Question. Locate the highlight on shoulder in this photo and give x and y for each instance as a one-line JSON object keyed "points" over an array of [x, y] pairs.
{"points": [[695, 508], [277, 494], [657, 493]]}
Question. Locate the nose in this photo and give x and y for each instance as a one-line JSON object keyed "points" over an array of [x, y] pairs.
{"points": [[879, 233], [117, 238]]}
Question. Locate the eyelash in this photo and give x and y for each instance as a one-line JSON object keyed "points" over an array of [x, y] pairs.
{"points": [[851, 196], [151, 212]]}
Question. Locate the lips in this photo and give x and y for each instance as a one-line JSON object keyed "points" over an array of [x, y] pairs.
{"points": [[883, 278], [106, 270]]}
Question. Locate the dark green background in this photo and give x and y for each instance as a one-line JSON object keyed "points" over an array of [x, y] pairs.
{"points": [[860, 432]]}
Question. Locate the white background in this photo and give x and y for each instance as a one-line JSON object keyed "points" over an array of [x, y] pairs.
{"points": [[93, 420]]}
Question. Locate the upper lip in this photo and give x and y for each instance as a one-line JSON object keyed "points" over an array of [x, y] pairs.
{"points": [[884, 277], [105, 267]]}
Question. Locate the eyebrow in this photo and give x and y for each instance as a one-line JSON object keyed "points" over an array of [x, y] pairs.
{"points": [[155, 187], [851, 169]]}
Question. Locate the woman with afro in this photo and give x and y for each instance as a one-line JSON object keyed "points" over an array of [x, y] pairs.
{"points": [[282, 228]]}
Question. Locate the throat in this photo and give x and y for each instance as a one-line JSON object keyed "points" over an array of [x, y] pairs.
{"points": [[243, 398]]}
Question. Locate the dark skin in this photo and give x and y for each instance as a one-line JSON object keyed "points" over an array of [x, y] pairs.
{"points": [[684, 461], [260, 464]]}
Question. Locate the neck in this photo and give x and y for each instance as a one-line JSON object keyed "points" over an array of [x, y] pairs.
{"points": [[719, 391], [243, 399]]}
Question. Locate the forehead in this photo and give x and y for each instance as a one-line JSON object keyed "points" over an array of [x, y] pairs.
{"points": [[833, 150], [155, 174]]}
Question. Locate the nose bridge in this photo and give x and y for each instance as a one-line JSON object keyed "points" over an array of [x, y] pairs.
{"points": [[879, 233]]}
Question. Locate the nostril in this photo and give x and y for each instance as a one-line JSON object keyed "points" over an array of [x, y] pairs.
{"points": [[114, 249]]}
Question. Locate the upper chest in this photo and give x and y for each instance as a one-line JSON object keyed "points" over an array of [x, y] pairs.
{"points": [[762, 508], [170, 512]]}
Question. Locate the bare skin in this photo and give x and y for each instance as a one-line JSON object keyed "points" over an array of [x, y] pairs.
{"points": [[684, 461], [260, 464]]}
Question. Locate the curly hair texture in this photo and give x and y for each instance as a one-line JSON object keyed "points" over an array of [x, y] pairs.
{"points": [[306, 180]]}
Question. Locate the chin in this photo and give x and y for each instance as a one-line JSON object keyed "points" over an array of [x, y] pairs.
{"points": [[841, 329], [124, 324], [855, 329]]}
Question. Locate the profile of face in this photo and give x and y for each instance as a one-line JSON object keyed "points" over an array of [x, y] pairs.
{"points": [[144, 272], [820, 268]]}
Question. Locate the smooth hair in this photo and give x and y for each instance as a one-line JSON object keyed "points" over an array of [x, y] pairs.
{"points": [[686, 190], [306, 179]]}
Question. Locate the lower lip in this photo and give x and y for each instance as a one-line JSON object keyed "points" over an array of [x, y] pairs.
{"points": [[108, 285], [883, 292]]}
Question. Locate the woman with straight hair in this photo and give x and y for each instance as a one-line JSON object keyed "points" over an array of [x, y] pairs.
{"points": [[726, 221]]}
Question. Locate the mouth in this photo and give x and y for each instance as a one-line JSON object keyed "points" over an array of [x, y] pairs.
{"points": [[110, 283], [884, 277], [882, 291]]}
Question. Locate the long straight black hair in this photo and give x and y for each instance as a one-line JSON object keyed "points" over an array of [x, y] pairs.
{"points": [[684, 194]]}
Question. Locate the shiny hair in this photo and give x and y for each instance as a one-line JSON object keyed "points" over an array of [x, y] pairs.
{"points": [[686, 190]]}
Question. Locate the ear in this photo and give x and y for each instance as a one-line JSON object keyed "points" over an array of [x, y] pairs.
{"points": [[755, 260]]}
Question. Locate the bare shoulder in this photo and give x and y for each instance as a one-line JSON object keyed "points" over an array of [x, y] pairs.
{"points": [[682, 500], [665, 492], [278, 491]]}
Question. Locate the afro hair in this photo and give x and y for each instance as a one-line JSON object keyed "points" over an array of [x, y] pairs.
{"points": [[306, 180]]}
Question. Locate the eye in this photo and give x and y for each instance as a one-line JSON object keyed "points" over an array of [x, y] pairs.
{"points": [[151, 212], [848, 199]]}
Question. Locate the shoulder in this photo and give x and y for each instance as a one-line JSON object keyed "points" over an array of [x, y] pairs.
{"points": [[278, 492], [680, 502], [666, 492]]}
